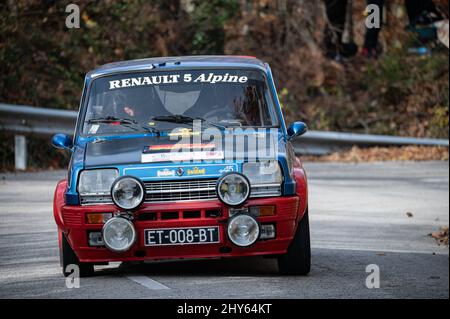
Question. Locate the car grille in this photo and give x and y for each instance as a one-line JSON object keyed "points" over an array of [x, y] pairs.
{"points": [[95, 199], [267, 190], [163, 191], [187, 190]]}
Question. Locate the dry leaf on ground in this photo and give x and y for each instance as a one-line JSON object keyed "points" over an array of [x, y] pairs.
{"points": [[383, 154], [441, 236]]}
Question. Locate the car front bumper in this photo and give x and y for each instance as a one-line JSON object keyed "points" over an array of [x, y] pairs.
{"points": [[71, 220]]}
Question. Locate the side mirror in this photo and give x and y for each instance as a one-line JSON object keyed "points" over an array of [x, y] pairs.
{"points": [[296, 129], [62, 141]]}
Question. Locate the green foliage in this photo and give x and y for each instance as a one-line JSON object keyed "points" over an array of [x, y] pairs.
{"points": [[283, 97], [399, 94], [208, 20], [398, 75], [439, 121], [415, 86]]}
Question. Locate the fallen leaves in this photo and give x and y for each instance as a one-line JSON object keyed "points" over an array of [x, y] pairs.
{"points": [[383, 154], [441, 236]]}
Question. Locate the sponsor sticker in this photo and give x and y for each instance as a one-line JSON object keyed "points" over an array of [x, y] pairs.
{"points": [[94, 128], [165, 173], [182, 156], [150, 172], [226, 169], [170, 147], [196, 171]]}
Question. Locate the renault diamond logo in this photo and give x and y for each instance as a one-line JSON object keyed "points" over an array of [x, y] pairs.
{"points": [[180, 171]]}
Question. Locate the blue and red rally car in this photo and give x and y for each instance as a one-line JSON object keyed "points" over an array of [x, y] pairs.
{"points": [[182, 157]]}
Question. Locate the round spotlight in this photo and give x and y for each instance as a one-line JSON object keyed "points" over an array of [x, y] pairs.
{"points": [[127, 192], [118, 234], [243, 230], [233, 189]]}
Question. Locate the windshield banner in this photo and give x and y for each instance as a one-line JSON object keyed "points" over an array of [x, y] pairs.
{"points": [[210, 78]]}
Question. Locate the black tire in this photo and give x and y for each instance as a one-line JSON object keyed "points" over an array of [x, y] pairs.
{"points": [[68, 257], [297, 260]]}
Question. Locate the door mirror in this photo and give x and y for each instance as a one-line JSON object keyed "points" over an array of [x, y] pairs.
{"points": [[296, 129], [62, 141]]}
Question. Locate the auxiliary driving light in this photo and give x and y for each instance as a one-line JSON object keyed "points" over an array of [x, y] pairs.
{"points": [[233, 189], [243, 230], [267, 231], [127, 192], [95, 239], [118, 234]]}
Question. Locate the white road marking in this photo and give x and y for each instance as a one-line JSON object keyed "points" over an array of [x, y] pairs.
{"points": [[438, 251], [147, 282]]}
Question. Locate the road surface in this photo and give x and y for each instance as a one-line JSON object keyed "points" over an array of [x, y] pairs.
{"points": [[358, 216]]}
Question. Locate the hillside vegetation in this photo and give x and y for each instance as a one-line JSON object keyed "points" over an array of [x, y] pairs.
{"points": [[43, 63]]}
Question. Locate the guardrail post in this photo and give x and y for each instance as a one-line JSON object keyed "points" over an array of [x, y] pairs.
{"points": [[20, 152]]}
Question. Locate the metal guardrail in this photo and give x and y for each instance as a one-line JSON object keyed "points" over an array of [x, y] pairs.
{"points": [[321, 143], [39, 121], [34, 121]]}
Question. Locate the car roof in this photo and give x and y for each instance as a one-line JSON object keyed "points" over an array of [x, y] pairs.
{"points": [[179, 62]]}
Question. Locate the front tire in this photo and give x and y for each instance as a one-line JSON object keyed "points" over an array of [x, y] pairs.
{"points": [[68, 257], [297, 260]]}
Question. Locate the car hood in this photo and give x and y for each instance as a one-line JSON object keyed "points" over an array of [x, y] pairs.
{"points": [[135, 150]]}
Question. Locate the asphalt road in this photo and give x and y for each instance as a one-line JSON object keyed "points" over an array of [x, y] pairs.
{"points": [[358, 217]]}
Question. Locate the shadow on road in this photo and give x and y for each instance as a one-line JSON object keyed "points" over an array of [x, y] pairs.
{"points": [[248, 266]]}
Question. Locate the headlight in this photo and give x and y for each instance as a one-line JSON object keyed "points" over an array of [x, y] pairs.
{"points": [[233, 189], [118, 234], [127, 192], [265, 178], [243, 230], [266, 172], [96, 181]]}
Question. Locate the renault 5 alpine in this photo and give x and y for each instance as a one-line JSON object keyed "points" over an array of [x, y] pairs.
{"points": [[182, 158]]}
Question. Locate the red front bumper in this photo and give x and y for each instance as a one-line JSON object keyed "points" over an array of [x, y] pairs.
{"points": [[72, 221]]}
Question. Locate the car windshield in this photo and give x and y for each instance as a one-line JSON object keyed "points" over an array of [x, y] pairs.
{"points": [[156, 101]]}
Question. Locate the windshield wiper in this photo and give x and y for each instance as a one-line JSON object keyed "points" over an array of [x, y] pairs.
{"points": [[184, 119], [131, 123], [111, 119]]}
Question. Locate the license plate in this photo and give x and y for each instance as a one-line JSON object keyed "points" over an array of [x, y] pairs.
{"points": [[181, 236]]}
